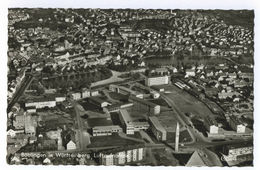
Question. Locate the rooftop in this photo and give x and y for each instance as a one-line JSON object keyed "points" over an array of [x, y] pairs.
{"points": [[157, 124]]}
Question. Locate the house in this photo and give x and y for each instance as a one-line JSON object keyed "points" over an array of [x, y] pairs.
{"points": [[236, 124], [15, 160], [190, 73], [85, 93], [76, 95], [71, 145], [46, 161]]}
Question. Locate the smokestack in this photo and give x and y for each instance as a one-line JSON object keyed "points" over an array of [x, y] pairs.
{"points": [[177, 134]]}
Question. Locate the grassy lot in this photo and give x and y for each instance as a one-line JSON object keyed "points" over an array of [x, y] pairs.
{"points": [[160, 102], [184, 137], [187, 103]]}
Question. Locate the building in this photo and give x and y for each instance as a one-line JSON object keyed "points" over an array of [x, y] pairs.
{"points": [[196, 159], [238, 153], [129, 125], [30, 125], [99, 102], [94, 93], [155, 94], [117, 107], [124, 90], [60, 97], [76, 95], [85, 93], [71, 145], [158, 80], [236, 124], [211, 125], [13, 132], [31, 109], [46, 161], [122, 156], [18, 121], [157, 129], [190, 73], [145, 105], [238, 149], [41, 102], [106, 130]]}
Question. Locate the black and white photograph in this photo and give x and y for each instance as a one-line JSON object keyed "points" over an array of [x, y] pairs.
{"points": [[130, 87]]}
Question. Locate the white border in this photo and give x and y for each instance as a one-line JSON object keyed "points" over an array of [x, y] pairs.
{"points": [[152, 4]]}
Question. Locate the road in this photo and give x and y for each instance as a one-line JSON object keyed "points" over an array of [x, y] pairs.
{"points": [[115, 78], [82, 134], [24, 85]]}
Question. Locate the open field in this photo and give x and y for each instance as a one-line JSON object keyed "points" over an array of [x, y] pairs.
{"points": [[187, 103]]}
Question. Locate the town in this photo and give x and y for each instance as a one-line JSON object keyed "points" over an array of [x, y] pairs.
{"points": [[130, 87]]}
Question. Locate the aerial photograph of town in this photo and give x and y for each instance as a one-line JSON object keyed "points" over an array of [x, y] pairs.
{"points": [[130, 87]]}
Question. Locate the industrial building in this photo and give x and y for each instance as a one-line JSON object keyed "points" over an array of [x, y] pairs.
{"points": [[105, 130], [131, 126], [125, 91], [211, 125], [122, 156], [145, 105], [98, 102], [157, 129], [236, 124], [158, 80], [117, 107], [41, 102]]}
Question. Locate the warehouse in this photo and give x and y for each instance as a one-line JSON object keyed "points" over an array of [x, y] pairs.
{"points": [[98, 102], [105, 130]]}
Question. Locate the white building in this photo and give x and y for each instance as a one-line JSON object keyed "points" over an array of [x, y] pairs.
{"points": [[131, 126], [211, 125], [85, 93], [237, 125], [106, 130], [71, 145], [41, 103], [76, 95], [159, 80], [155, 94], [190, 73], [121, 156]]}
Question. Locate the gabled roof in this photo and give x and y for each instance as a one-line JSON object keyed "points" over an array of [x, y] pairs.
{"points": [[195, 160]]}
